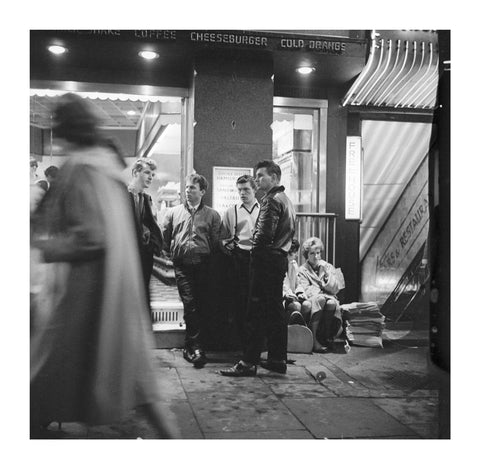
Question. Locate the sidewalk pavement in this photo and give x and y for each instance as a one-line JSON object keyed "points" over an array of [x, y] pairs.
{"points": [[370, 393]]}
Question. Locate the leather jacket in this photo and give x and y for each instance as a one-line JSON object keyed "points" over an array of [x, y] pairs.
{"points": [[275, 225]]}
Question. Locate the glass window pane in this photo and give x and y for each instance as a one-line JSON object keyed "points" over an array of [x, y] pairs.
{"points": [[295, 133]]}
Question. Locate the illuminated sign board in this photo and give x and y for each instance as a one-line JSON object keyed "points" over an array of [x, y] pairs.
{"points": [[250, 39], [225, 192], [353, 179]]}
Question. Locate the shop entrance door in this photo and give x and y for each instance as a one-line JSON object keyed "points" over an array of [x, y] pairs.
{"points": [[299, 131]]}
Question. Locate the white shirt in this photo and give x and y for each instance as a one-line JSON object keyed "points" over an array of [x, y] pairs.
{"points": [[246, 220], [193, 207]]}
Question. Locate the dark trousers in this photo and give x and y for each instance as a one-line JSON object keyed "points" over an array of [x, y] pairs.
{"points": [[330, 324], [193, 287], [241, 273], [266, 316], [146, 258]]}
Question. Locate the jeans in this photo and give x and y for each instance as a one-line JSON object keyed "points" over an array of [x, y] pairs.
{"points": [[241, 272], [193, 287], [266, 316]]}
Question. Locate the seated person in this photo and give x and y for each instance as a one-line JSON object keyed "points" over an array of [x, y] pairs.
{"points": [[294, 301], [320, 284]]}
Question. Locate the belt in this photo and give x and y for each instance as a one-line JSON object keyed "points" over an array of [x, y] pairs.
{"points": [[272, 251], [194, 260]]}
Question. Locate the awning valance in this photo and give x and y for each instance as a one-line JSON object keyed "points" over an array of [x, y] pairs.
{"points": [[401, 72]]}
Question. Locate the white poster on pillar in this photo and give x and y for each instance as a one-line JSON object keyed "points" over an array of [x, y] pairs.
{"points": [[354, 179], [225, 193]]}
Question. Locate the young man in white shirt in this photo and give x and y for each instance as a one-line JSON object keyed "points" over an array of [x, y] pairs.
{"points": [[239, 224], [272, 238]]}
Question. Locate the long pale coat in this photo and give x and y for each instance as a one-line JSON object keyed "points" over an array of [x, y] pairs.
{"points": [[91, 341]]}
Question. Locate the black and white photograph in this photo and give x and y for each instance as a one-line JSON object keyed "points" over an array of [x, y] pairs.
{"points": [[239, 234]]}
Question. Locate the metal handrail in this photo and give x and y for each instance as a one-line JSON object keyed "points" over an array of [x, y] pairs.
{"points": [[321, 225]]}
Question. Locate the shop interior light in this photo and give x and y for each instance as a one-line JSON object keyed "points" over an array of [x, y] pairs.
{"points": [[57, 50], [148, 54], [305, 70]]}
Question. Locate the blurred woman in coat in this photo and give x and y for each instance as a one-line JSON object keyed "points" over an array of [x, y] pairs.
{"points": [[92, 340]]}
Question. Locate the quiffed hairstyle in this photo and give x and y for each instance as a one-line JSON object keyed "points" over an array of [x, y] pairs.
{"points": [[309, 243], [142, 163], [198, 179], [271, 167], [247, 179]]}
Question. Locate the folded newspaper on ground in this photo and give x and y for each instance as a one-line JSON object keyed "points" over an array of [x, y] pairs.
{"points": [[364, 323]]}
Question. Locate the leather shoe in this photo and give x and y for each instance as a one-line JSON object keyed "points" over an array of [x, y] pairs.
{"points": [[277, 367], [239, 370], [320, 348], [196, 357]]}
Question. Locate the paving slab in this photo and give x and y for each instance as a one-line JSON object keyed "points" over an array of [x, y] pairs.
{"points": [[295, 374], [427, 430], [170, 383], [254, 411], [209, 379], [261, 435], [411, 411], [187, 422], [352, 389], [346, 418], [300, 390]]}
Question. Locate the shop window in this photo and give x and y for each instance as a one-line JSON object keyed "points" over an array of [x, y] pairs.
{"points": [[141, 125], [299, 148]]}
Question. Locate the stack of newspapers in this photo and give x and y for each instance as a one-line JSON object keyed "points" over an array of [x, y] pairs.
{"points": [[363, 324]]}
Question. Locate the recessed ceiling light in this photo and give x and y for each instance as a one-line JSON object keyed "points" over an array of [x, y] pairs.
{"points": [[148, 54], [57, 50], [131, 113], [305, 70]]}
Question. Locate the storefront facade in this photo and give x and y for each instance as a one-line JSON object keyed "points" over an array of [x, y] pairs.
{"points": [[236, 97]]}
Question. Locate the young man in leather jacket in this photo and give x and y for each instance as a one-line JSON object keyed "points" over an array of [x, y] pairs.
{"points": [[272, 238]]}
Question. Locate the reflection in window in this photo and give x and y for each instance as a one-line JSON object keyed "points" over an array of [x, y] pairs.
{"points": [[141, 125], [294, 151]]}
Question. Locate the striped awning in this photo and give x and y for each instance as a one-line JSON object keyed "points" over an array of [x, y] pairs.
{"points": [[401, 72]]}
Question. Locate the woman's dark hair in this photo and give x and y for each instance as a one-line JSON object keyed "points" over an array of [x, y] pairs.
{"points": [[75, 121]]}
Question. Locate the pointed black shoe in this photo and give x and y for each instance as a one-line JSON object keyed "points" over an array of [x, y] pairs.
{"points": [[196, 357], [239, 370], [277, 367]]}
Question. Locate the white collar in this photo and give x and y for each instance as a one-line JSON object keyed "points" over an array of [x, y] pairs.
{"points": [[133, 190], [193, 207], [255, 204]]}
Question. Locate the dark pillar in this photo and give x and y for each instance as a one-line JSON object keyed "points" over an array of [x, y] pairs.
{"points": [[233, 112]]}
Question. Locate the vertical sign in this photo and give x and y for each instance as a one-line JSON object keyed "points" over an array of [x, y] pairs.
{"points": [[224, 189], [353, 179]]}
